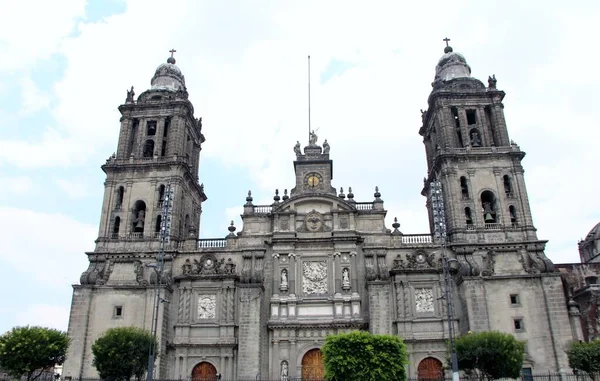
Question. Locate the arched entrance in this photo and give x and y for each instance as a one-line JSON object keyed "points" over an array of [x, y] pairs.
{"points": [[204, 371], [312, 365], [430, 369]]}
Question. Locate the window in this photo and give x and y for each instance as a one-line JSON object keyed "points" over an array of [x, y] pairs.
{"points": [[513, 215], [514, 300], [148, 148], [527, 374], [161, 193], [118, 312], [455, 117], [163, 149], [488, 202], [507, 186], [158, 223], [139, 216], [471, 117], [468, 217], [167, 125], [151, 128], [519, 326], [120, 195], [464, 188], [116, 227]]}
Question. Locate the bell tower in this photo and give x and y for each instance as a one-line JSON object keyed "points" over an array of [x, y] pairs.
{"points": [[469, 151], [159, 143]]}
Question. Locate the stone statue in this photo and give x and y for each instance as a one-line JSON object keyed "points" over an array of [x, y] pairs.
{"points": [[475, 139], [297, 149], [130, 95], [423, 114], [326, 147], [230, 267], [284, 370], [284, 277], [492, 81], [187, 267], [345, 276], [313, 138]]}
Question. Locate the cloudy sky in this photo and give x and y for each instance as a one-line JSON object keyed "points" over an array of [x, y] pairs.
{"points": [[66, 66]]}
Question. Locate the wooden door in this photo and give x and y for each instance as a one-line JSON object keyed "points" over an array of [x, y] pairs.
{"points": [[204, 372], [430, 369], [312, 365]]}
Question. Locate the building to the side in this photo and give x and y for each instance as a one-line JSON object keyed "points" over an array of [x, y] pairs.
{"points": [[260, 302]]}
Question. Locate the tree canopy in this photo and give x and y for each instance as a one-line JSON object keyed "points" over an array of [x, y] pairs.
{"points": [[586, 357], [361, 356], [490, 355], [122, 353], [30, 351]]}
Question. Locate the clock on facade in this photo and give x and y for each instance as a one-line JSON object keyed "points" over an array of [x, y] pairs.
{"points": [[314, 180]]}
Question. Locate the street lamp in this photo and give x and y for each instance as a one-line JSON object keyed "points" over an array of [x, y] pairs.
{"points": [[158, 267], [439, 232]]}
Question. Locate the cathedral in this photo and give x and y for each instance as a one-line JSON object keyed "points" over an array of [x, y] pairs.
{"points": [[259, 303]]}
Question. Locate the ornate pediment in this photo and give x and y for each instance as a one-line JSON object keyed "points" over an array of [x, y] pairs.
{"points": [[418, 260], [314, 222], [208, 265]]}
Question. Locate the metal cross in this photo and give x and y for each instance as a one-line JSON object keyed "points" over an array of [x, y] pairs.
{"points": [[446, 40], [172, 51]]}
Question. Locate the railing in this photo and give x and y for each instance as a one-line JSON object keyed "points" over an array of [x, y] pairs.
{"points": [[262, 209], [159, 204], [479, 150], [509, 194], [493, 226], [364, 206], [470, 227], [211, 243], [416, 238], [136, 235]]}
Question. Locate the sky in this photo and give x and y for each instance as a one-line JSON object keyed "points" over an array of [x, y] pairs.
{"points": [[66, 67]]}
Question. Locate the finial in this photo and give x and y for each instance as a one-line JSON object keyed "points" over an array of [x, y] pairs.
{"points": [[350, 194], [171, 59], [276, 198], [231, 229], [448, 48], [342, 195], [249, 198], [377, 194], [285, 195]]}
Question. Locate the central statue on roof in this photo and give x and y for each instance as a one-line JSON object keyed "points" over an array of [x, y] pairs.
{"points": [[312, 140]]}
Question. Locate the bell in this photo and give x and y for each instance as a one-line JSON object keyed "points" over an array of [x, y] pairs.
{"points": [[488, 218]]}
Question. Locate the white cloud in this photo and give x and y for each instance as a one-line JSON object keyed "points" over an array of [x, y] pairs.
{"points": [[15, 186], [32, 98], [44, 315], [75, 188]]}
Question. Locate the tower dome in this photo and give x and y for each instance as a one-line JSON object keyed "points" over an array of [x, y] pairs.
{"points": [[589, 248], [168, 76], [451, 65]]}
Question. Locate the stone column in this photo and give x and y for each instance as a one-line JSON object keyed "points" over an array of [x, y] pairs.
{"points": [[276, 365], [277, 274], [486, 134], [464, 128], [292, 275], [500, 124], [126, 207], [502, 215], [293, 363], [126, 124], [337, 271], [353, 272]]}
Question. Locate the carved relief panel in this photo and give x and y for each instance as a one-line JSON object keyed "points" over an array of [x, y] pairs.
{"points": [[424, 300], [314, 278], [207, 306]]}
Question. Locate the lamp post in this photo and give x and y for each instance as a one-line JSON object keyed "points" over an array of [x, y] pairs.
{"points": [[158, 267], [439, 232]]}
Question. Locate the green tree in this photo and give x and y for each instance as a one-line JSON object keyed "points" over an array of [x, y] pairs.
{"points": [[30, 351], [586, 357], [490, 355], [361, 356], [122, 353]]}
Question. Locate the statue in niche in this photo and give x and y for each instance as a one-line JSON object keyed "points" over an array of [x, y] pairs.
{"points": [[312, 140], [284, 370], [130, 95], [187, 267], [297, 148], [326, 147], [345, 277], [284, 280], [139, 221], [475, 139]]}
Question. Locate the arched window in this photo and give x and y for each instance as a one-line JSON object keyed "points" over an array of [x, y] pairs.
{"points": [[507, 186], [158, 223], [116, 227], [186, 225], [488, 206], [468, 216], [161, 194], [120, 196], [148, 148], [139, 216], [151, 128], [513, 215], [475, 137], [464, 188]]}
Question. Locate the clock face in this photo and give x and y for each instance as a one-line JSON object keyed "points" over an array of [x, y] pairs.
{"points": [[313, 180]]}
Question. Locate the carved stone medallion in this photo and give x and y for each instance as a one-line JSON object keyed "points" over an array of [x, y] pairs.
{"points": [[314, 277], [313, 221], [207, 306], [424, 300]]}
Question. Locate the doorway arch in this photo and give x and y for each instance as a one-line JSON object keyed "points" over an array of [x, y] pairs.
{"points": [[430, 368], [204, 371], [313, 367]]}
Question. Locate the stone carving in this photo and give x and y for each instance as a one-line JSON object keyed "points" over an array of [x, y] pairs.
{"points": [[420, 260], [187, 267], [424, 300], [130, 95], [345, 278], [343, 223], [314, 277], [284, 280], [229, 267], [370, 267], [139, 273], [208, 265], [475, 138], [284, 370], [106, 271], [312, 140], [398, 263], [326, 147], [297, 149], [492, 81], [384, 273], [313, 221], [285, 223], [345, 258], [207, 306], [488, 264]]}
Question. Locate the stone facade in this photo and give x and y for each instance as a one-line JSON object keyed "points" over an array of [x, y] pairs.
{"points": [[315, 262]]}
